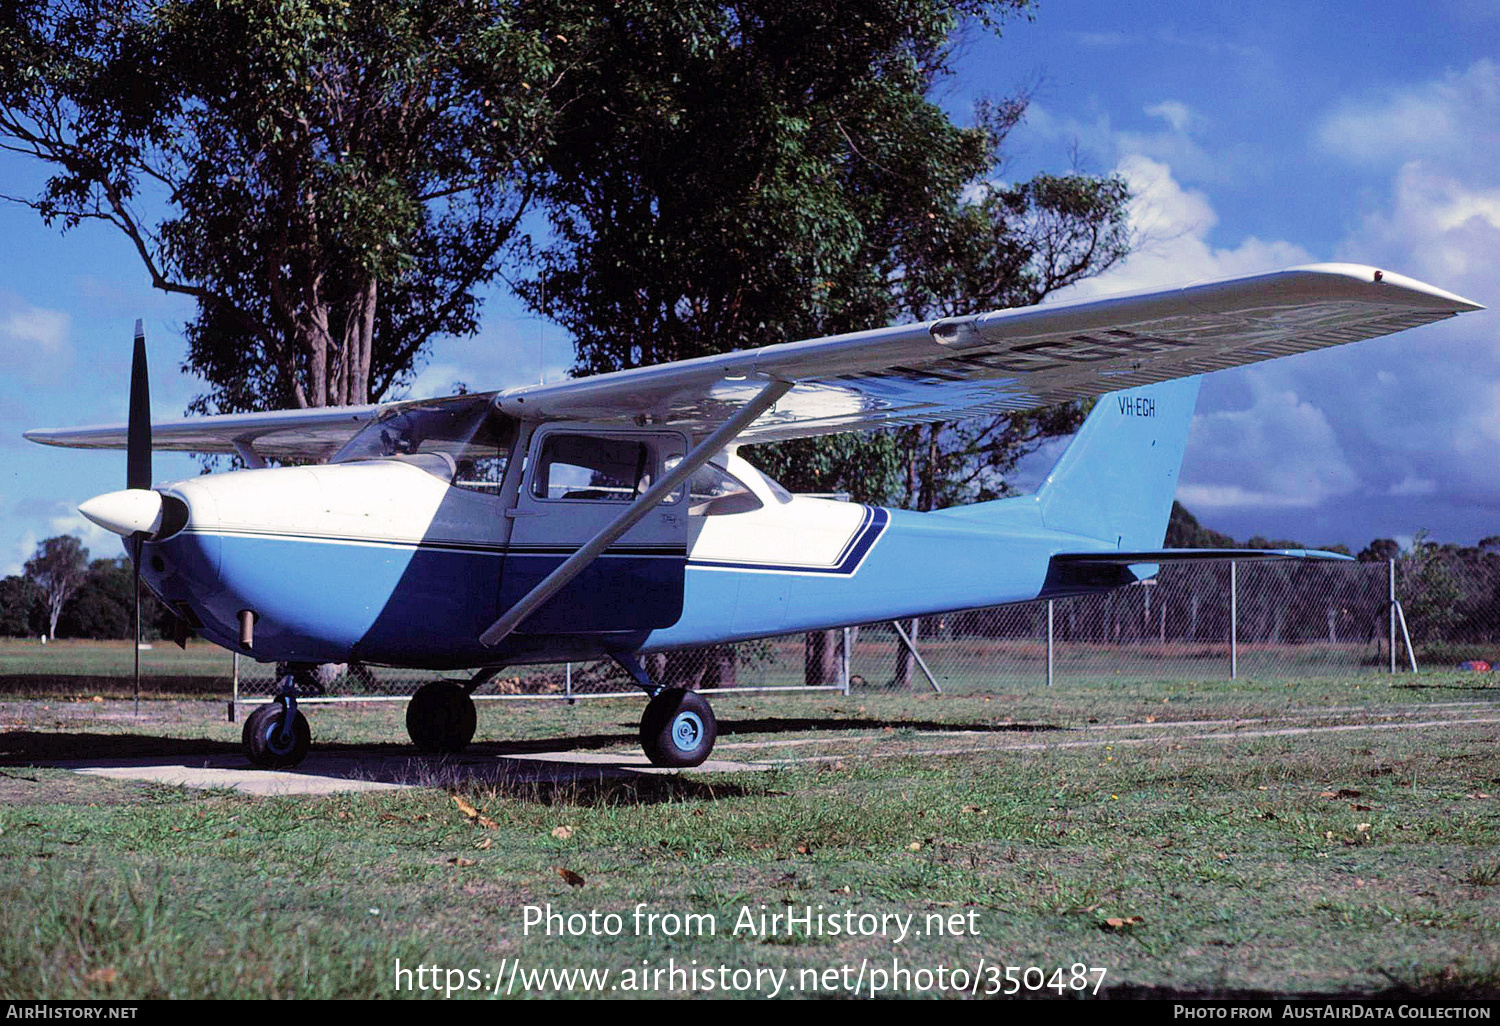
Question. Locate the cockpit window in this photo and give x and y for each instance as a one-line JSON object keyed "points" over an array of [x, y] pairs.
{"points": [[462, 440]]}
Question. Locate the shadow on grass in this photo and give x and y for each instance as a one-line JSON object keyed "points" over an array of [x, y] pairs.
{"points": [[493, 766]]}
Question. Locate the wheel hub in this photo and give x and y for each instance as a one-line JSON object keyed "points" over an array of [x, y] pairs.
{"points": [[687, 729]]}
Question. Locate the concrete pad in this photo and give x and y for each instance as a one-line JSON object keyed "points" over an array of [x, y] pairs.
{"points": [[338, 771]]}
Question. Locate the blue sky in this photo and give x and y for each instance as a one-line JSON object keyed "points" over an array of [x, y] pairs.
{"points": [[1255, 136]]}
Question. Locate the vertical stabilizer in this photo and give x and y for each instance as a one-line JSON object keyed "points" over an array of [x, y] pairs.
{"points": [[1116, 480]]}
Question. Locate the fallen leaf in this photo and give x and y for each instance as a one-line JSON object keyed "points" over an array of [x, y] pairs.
{"points": [[1361, 808], [1114, 923], [484, 845], [109, 974], [486, 822], [1150, 719], [461, 862], [562, 833], [1362, 828], [573, 879], [1348, 792], [914, 846]]}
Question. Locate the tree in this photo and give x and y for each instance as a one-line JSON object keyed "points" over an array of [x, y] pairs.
{"points": [[20, 608], [57, 570], [329, 181], [104, 604]]}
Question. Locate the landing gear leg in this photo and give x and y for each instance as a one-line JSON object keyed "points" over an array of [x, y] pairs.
{"points": [[276, 735], [678, 727]]}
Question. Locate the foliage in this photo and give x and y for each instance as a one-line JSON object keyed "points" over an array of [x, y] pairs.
{"points": [[335, 179], [20, 608], [104, 606]]}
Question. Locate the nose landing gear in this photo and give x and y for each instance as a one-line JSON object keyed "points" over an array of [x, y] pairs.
{"points": [[276, 736]]}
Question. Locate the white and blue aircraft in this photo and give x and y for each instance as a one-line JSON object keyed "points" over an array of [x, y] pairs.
{"points": [[610, 516]]}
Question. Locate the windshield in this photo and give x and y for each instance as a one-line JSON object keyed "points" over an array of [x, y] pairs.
{"points": [[463, 440]]}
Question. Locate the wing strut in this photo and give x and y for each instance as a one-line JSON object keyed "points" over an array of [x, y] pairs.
{"points": [[580, 560]]}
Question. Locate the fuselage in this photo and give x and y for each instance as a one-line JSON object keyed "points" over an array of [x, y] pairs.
{"points": [[385, 561]]}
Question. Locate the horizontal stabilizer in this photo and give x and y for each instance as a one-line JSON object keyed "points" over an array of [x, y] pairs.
{"points": [[1179, 555], [1084, 573]]}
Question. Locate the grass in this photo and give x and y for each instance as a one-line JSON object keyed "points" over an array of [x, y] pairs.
{"points": [[1181, 858]]}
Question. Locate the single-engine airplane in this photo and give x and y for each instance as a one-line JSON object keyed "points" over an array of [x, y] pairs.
{"points": [[610, 516]]}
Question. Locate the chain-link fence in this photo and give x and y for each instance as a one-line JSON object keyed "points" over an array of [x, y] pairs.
{"points": [[1288, 618]]}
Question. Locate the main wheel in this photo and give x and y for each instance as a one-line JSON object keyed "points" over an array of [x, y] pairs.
{"points": [[441, 717], [264, 745], [678, 728]]}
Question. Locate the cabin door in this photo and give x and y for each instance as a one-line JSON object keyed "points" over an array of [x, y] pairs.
{"points": [[576, 482]]}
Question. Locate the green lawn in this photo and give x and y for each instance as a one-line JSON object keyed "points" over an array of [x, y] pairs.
{"points": [[1177, 857]]}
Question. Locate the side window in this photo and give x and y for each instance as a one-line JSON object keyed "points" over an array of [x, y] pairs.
{"points": [[584, 467]]}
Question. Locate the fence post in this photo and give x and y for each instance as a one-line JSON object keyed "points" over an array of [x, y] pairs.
{"points": [[234, 684], [844, 663], [1234, 620], [1390, 611], [1049, 643]]}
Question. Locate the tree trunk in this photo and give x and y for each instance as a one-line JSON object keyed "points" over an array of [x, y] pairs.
{"points": [[820, 662]]}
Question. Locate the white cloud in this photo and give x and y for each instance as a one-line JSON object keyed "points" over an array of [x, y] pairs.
{"points": [[1279, 452], [1454, 120], [1173, 113], [1173, 224]]}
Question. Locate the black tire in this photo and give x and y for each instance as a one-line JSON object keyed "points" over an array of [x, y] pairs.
{"points": [[441, 718], [678, 728], [264, 746]]}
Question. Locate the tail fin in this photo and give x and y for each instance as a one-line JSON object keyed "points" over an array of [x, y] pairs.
{"points": [[1115, 482]]}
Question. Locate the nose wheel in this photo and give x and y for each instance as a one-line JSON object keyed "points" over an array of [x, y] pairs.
{"points": [[678, 728], [270, 742]]}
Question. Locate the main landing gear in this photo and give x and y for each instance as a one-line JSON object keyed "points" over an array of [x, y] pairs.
{"points": [[678, 727]]}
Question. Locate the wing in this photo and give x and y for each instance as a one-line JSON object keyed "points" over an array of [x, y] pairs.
{"points": [[997, 362], [285, 434], [1008, 360]]}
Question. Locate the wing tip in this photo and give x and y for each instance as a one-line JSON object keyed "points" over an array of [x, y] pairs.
{"points": [[1414, 292]]}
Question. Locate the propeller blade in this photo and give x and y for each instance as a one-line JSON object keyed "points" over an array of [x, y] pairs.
{"points": [[138, 439]]}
